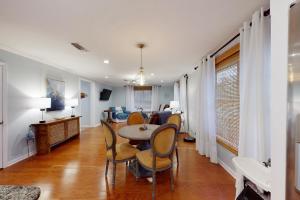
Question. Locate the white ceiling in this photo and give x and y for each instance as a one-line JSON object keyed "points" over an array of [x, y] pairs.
{"points": [[177, 34]]}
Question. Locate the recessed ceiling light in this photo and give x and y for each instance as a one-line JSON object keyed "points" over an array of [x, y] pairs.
{"points": [[106, 61], [152, 74], [106, 77], [162, 81], [294, 54]]}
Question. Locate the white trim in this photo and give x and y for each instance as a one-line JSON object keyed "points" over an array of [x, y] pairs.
{"points": [[86, 126], [98, 124], [20, 158], [279, 75], [4, 115], [227, 168], [90, 126]]}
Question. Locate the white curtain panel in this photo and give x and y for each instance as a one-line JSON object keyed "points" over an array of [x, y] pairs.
{"points": [[183, 102], [206, 112], [176, 91], [129, 98], [155, 98], [192, 91], [254, 136]]}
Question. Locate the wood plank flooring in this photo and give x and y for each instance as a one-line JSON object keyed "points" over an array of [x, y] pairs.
{"points": [[76, 170]]}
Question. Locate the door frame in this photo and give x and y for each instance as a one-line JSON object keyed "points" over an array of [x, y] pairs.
{"points": [[4, 116], [92, 101]]}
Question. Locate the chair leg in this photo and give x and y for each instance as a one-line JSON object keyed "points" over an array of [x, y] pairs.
{"points": [[106, 167], [176, 150], [171, 178], [114, 173], [136, 169], [153, 184]]}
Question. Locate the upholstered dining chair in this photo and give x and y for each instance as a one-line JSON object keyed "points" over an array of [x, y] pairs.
{"points": [[116, 153], [135, 118], [176, 119], [160, 156]]}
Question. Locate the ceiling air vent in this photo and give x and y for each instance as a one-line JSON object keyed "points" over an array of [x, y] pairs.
{"points": [[79, 47]]}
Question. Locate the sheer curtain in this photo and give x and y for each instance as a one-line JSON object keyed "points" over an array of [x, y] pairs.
{"points": [[206, 113], [254, 138], [155, 98], [129, 98], [183, 102], [176, 91], [142, 99]]}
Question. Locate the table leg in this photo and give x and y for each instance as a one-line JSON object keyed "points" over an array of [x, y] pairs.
{"points": [[108, 120]]}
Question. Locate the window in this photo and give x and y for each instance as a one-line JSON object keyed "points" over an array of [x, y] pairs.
{"points": [[228, 99], [142, 98]]}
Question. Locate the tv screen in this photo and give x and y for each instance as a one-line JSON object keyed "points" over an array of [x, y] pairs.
{"points": [[105, 94]]}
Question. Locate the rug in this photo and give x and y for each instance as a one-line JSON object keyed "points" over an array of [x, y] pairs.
{"points": [[14, 192]]}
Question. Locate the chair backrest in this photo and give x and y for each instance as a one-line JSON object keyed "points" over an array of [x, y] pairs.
{"points": [[175, 119], [135, 118], [162, 107], [163, 140], [110, 136]]}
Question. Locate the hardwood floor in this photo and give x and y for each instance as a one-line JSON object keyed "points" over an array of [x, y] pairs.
{"points": [[76, 170]]}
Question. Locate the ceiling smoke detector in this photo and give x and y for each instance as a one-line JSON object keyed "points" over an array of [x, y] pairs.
{"points": [[79, 47]]}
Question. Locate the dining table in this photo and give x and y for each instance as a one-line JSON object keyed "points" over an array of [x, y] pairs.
{"points": [[142, 134]]}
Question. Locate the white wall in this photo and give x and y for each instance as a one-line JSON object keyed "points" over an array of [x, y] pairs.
{"points": [[279, 53], [118, 96], [86, 103], [27, 80]]}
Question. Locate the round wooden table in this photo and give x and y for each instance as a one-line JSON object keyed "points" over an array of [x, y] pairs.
{"points": [[133, 132]]}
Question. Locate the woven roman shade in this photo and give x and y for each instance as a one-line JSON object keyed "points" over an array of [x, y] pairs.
{"points": [[228, 104]]}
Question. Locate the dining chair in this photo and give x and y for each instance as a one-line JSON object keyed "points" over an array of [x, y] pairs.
{"points": [[176, 119], [116, 153], [135, 118], [160, 156]]}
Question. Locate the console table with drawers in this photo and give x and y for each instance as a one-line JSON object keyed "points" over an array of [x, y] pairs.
{"points": [[55, 132]]}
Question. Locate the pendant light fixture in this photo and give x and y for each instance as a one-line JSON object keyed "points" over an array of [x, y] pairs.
{"points": [[141, 78]]}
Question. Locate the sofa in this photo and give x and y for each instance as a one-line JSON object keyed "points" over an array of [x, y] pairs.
{"points": [[119, 114], [160, 118]]}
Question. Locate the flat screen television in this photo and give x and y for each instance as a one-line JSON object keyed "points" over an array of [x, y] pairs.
{"points": [[105, 94]]}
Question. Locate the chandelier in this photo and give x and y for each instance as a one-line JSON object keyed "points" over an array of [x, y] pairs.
{"points": [[141, 75]]}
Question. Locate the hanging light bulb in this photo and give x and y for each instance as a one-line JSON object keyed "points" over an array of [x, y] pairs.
{"points": [[141, 74], [142, 78]]}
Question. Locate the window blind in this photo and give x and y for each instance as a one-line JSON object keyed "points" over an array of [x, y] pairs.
{"points": [[228, 104], [142, 99]]}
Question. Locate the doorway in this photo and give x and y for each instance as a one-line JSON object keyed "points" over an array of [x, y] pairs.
{"points": [[85, 103]]}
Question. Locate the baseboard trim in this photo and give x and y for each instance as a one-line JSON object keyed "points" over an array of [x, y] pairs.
{"points": [[19, 159], [98, 124], [86, 126], [227, 168]]}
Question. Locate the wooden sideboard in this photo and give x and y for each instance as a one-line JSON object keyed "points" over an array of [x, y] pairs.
{"points": [[55, 132]]}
